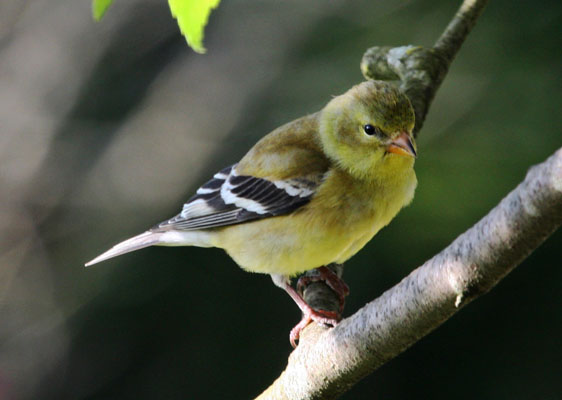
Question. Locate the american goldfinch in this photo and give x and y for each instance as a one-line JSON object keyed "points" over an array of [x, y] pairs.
{"points": [[311, 193]]}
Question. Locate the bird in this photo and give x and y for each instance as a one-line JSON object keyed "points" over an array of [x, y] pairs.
{"points": [[309, 194]]}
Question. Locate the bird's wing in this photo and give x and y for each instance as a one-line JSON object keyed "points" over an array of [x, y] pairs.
{"points": [[229, 198]]}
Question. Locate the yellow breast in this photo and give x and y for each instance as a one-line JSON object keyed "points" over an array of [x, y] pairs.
{"points": [[340, 219]]}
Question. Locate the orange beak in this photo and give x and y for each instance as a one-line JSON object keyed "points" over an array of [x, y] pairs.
{"points": [[402, 145]]}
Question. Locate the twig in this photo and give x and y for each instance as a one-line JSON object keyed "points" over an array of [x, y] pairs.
{"points": [[421, 70]]}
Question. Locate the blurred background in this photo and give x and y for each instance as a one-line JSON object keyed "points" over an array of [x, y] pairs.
{"points": [[107, 128]]}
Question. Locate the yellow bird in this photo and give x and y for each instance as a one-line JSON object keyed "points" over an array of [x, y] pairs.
{"points": [[311, 193]]}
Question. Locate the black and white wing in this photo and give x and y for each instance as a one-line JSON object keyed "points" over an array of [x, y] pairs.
{"points": [[230, 198], [226, 199]]}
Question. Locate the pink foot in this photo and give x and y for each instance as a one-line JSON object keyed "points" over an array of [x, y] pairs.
{"points": [[320, 316], [330, 318]]}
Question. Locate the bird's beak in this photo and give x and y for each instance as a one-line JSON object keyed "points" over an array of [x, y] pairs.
{"points": [[402, 145]]}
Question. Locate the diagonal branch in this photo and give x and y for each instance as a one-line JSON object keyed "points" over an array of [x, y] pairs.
{"points": [[329, 361]]}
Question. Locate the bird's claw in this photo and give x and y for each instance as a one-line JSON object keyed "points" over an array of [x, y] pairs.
{"points": [[324, 317]]}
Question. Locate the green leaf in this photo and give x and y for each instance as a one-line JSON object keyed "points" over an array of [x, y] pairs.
{"points": [[192, 16], [99, 7]]}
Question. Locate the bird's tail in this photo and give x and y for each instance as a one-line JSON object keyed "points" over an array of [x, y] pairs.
{"points": [[141, 241]]}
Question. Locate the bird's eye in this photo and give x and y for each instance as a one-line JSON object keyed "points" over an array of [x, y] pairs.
{"points": [[372, 130]]}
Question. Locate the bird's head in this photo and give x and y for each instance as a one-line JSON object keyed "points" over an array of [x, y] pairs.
{"points": [[369, 128]]}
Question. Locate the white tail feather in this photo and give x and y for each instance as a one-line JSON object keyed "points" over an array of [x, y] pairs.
{"points": [[148, 238], [135, 243]]}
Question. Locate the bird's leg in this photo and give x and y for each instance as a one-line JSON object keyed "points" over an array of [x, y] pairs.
{"points": [[309, 314], [330, 278], [321, 274]]}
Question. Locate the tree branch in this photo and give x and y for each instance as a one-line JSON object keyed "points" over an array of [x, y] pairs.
{"points": [[328, 361], [421, 70]]}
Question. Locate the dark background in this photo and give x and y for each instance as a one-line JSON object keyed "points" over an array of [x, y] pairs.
{"points": [[106, 129]]}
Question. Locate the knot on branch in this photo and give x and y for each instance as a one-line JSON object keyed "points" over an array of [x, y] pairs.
{"points": [[419, 70], [319, 295]]}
